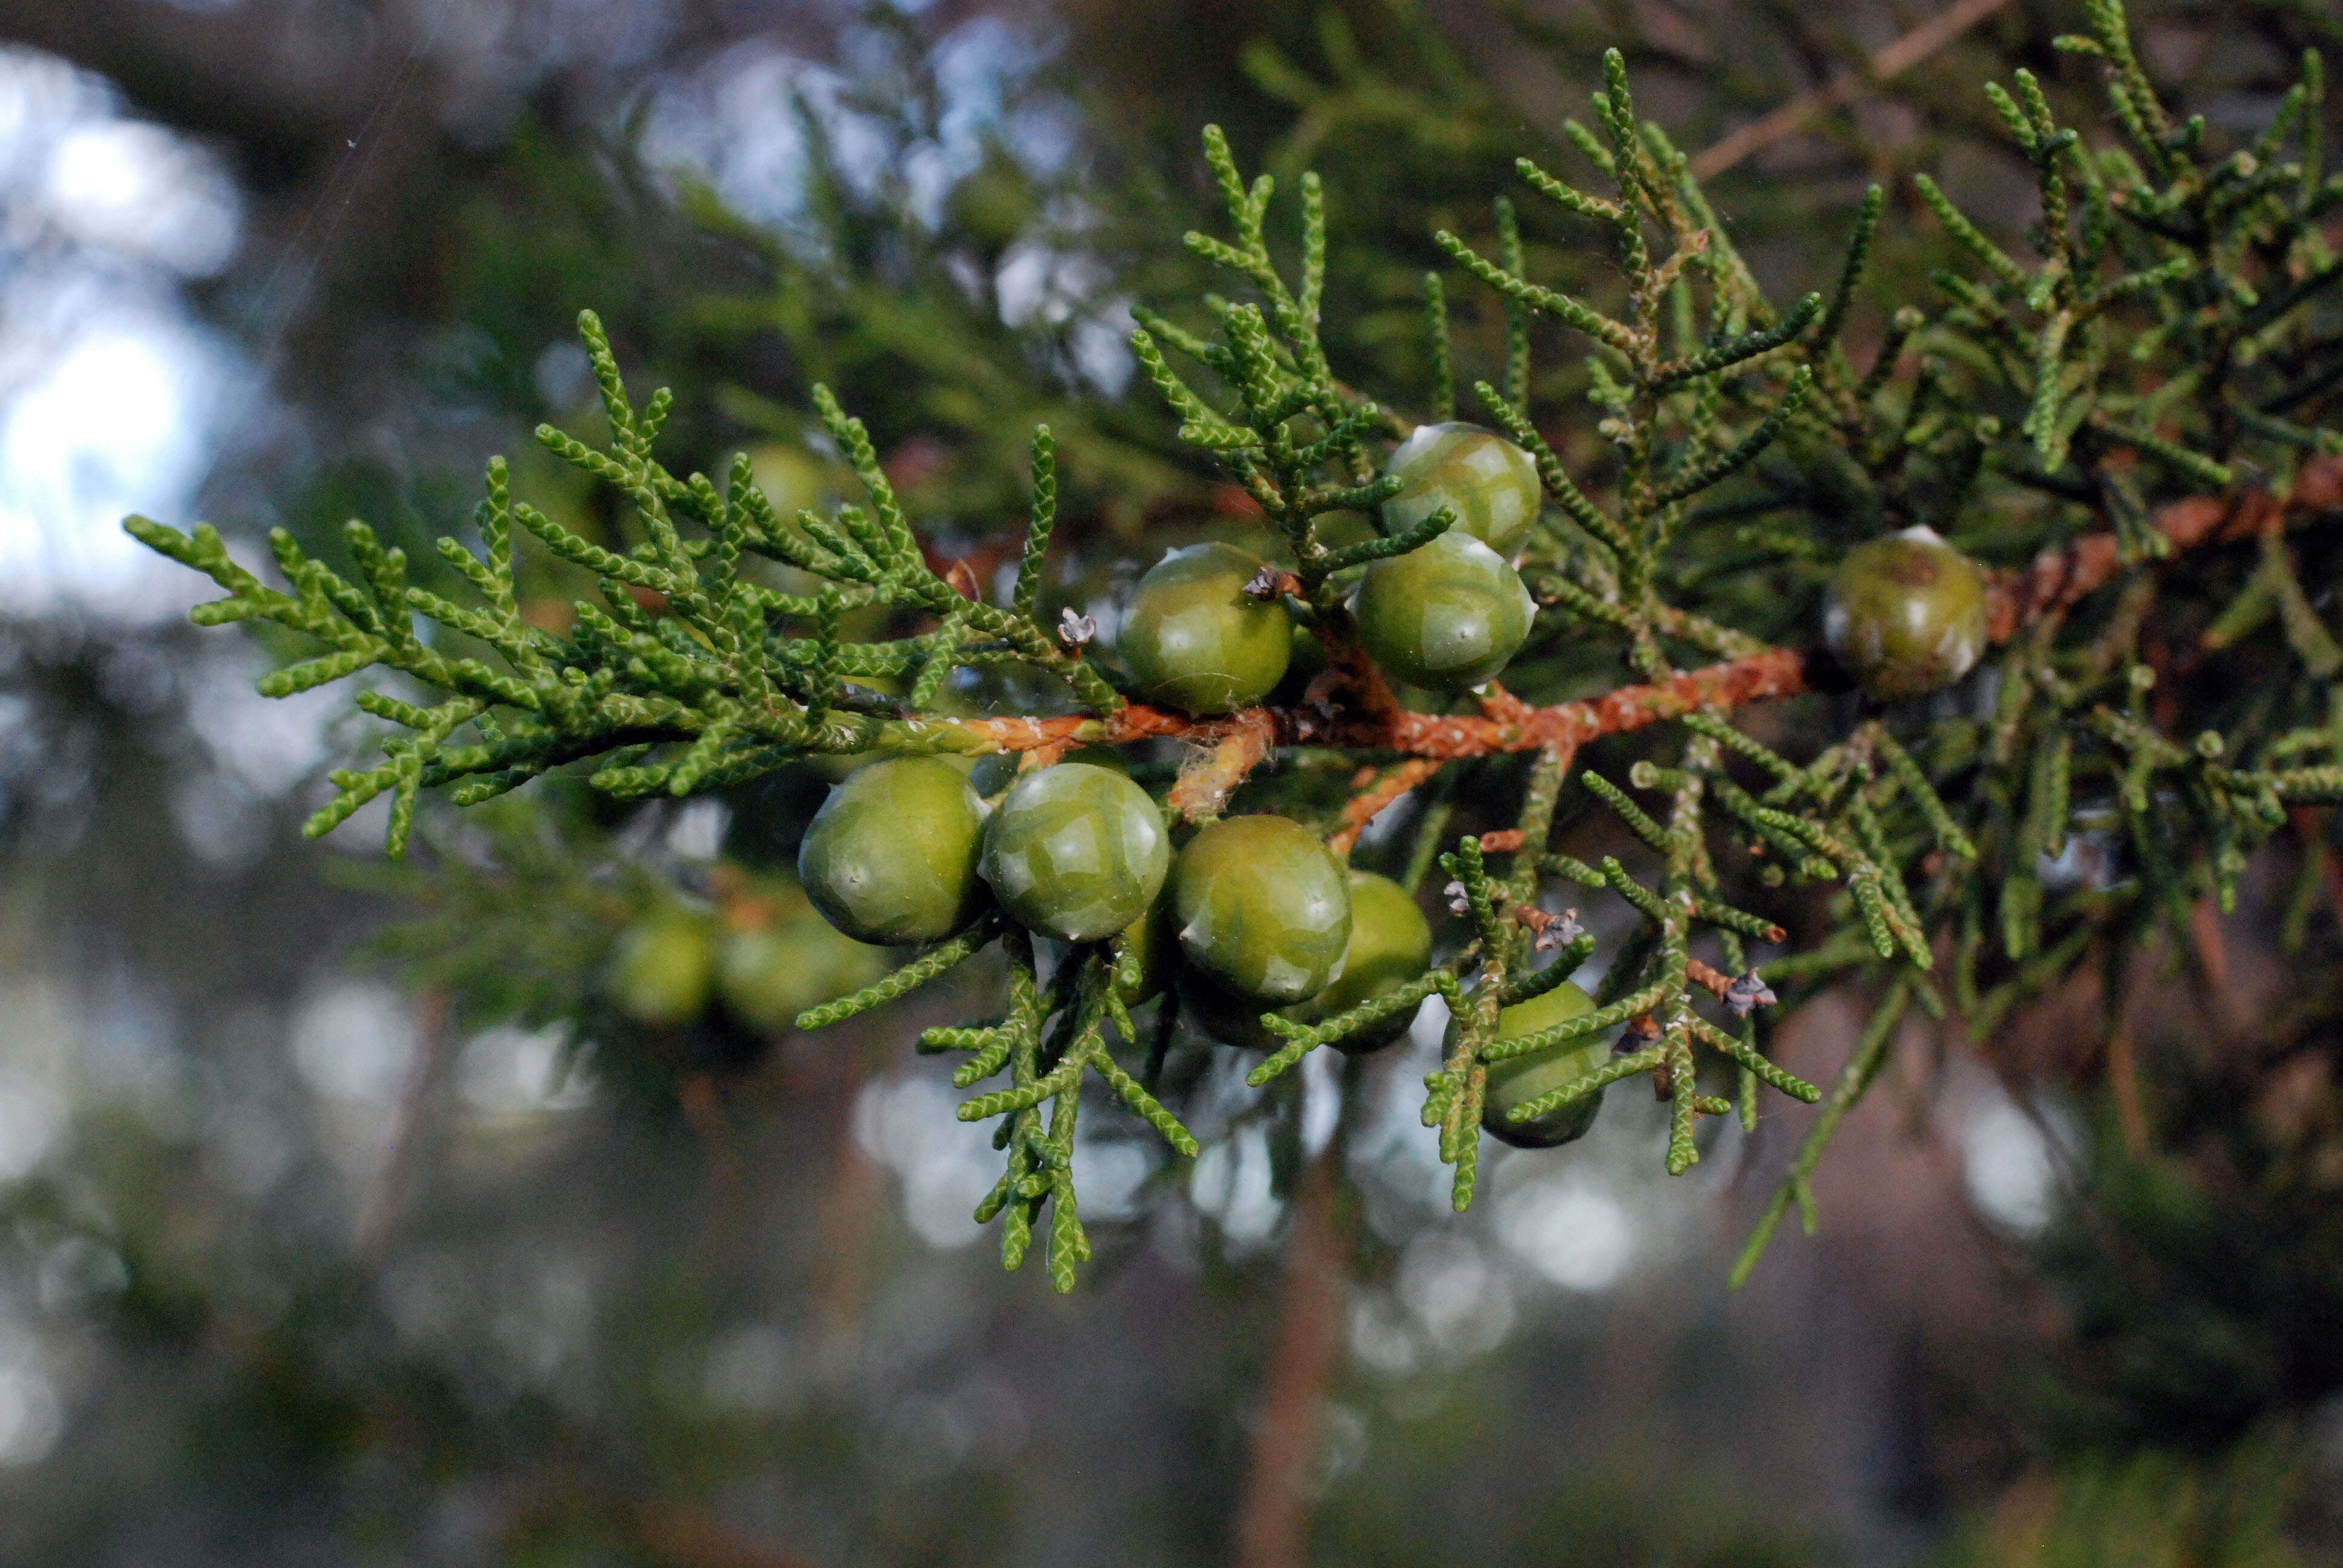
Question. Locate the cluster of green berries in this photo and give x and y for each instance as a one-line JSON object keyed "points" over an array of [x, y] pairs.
{"points": [[1452, 614], [759, 956], [1904, 616], [1252, 914], [1202, 637]]}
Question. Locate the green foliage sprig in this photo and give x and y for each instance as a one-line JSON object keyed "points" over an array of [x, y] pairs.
{"points": [[711, 675]]}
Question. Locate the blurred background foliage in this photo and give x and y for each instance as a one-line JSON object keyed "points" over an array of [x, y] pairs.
{"points": [[365, 1216]]}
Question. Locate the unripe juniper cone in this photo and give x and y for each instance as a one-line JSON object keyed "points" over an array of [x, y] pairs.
{"points": [[1390, 944], [1262, 909], [663, 968], [767, 974], [891, 856], [1444, 617], [1196, 640], [1521, 1078], [1906, 614], [1488, 482], [1076, 852]]}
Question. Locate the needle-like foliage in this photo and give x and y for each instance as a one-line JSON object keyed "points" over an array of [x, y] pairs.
{"points": [[2151, 386]]}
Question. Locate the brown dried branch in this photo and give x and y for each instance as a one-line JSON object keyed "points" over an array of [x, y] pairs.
{"points": [[1272, 1526], [1551, 931], [2059, 578], [1235, 746], [426, 1080], [1713, 980], [1889, 60]]}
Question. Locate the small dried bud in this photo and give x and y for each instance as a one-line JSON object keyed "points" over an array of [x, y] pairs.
{"points": [[1560, 931], [1073, 629], [1264, 585], [1319, 695], [962, 578], [1747, 995], [1552, 930], [1459, 900]]}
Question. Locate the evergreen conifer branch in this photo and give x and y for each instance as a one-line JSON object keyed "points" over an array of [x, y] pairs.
{"points": [[2156, 382]]}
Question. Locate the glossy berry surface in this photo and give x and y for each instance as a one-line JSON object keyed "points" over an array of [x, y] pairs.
{"points": [[891, 856], [1076, 851], [1195, 640], [1521, 1079], [767, 974], [1390, 944], [1261, 909], [1445, 617], [663, 967], [1906, 614], [1488, 482]]}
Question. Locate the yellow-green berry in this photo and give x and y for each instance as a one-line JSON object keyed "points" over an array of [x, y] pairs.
{"points": [[1906, 614], [1489, 483]]}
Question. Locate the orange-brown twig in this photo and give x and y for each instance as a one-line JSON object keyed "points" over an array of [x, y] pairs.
{"points": [[1896, 58], [1208, 775], [2059, 578], [1714, 981], [1376, 790], [1374, 722], [1776, 672]]}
